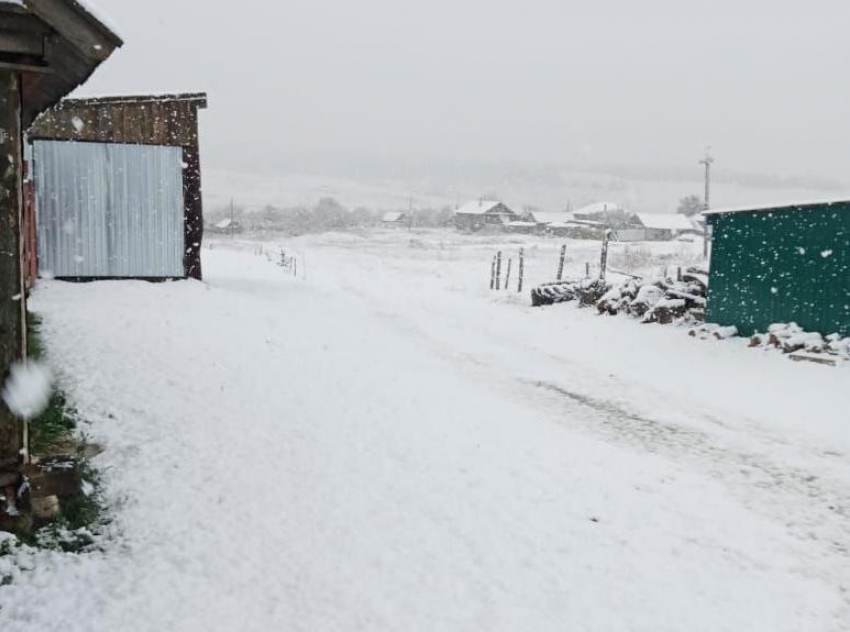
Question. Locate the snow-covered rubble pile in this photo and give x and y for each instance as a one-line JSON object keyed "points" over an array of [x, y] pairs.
{"points": [[788, 338], [713, 331], [657, 300], [662, 300], [791, 338]]}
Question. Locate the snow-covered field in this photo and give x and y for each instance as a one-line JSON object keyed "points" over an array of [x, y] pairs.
{"points": [[386, 444]]}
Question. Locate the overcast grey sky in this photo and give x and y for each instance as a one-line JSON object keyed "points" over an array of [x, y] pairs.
{"points": [[765, 82]]}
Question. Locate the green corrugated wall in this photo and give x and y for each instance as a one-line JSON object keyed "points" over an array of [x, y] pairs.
{"points": [[784, 265]]}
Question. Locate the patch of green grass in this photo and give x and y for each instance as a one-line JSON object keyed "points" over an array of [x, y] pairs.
{"points": [[54, 427], [85, 509]]}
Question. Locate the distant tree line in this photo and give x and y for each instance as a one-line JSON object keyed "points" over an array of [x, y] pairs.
{"points": [[327, 215]]}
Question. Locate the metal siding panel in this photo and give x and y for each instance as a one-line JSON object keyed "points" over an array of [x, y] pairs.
{"points": [[109, 210], [782, 266], [71, 212]]}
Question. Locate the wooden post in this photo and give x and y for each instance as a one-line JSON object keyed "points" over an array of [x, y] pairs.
{"points": [[603, 265], [587, 270], [493, 273], [521, 270], [508, 275], [561, 262], [12, 297], [499, 270], [193, 231]]}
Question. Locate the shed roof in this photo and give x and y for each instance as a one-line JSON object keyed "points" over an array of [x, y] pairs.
{"points": [[393, 216], [168, 119], [55, 45], [478, 207], [665, 221], [759, 208], [198, 99]]}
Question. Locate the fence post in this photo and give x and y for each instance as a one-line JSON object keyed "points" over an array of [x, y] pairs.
{"points": [[587, 270], [561, 263], [508, 276], [499, 270], [603, 266], [493, 273], [521, 270]]}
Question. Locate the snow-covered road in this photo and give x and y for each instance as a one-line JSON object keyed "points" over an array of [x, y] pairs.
{"points": [[388, 446]]}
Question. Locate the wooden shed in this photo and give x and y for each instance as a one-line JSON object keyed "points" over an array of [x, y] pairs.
{"points": [[781, 264], [118, 182]]}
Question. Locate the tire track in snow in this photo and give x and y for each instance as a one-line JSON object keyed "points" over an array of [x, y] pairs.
{"points": [[822, 505], [812, 508]]}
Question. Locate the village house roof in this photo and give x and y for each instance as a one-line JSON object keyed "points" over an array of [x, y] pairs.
{"points": [[477, 207], [599, 207], [547, 217], [665, 221]]}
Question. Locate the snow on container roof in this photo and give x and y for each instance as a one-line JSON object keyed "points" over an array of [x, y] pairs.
{"points": [[392, 216], [760, 208], [477, 207], [665, 221]]}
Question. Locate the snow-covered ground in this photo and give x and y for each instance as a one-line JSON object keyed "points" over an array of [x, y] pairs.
{"points": [[386, 444]]}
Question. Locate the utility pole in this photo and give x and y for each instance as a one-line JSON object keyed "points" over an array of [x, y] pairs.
{"points": [[707, 161]]}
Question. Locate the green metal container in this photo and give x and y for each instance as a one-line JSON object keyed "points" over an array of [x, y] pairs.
{"points": [[779, 265]]}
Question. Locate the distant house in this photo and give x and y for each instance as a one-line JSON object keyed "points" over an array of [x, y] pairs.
{"points": [[479, 213], [227, 226], [598, 211], [522, 227], [664, 226], [394, 218]]}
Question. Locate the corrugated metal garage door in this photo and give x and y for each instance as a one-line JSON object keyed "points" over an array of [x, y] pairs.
{"points": [[109, 210]]}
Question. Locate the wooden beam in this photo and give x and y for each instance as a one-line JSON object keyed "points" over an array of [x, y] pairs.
{"points": [[193, 212], [39, 70], [21, 42], [11, 295]]}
